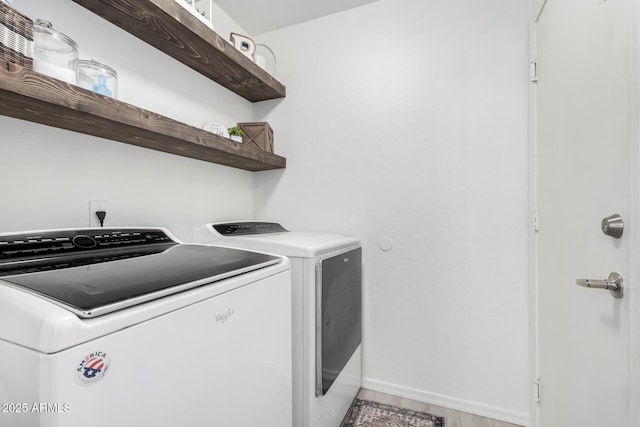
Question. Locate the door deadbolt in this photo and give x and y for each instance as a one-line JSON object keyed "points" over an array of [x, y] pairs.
{"points": [[613, 226]]}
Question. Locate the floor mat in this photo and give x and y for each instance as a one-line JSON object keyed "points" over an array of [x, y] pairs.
{"points": [[364, 413]]}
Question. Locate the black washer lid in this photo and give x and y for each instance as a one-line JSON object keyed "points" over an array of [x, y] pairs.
{"points": [[95, 282]]}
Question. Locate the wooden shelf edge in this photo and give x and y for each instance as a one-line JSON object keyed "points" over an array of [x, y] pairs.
{"points": [[170, 28], [34, 97]]}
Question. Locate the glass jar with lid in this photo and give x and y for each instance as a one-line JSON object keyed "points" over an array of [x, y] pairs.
{"points": [[54, 54], [265, 58], [98, 77]]}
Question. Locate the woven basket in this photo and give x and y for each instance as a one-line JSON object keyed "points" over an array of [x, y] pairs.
{"points": [[16, 37]]}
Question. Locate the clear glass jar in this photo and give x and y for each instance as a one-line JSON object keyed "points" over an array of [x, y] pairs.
{"points": [[265, 58], [98, 77], [54, 53]]}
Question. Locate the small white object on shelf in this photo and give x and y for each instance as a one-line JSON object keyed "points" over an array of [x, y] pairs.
{"points": [[244, 44], [201, 9], [216, 128]]}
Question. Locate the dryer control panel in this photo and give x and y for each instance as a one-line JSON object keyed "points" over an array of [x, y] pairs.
{"points": [[247, 228]]}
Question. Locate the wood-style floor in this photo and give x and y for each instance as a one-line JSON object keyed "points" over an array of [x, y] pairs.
{"points": [[453, 418]]}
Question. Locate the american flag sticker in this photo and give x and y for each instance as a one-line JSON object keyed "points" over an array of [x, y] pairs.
{"points": [[93, 367]]}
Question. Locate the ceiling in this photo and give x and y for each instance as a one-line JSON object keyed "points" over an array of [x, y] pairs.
{"points": [[261, 16]]}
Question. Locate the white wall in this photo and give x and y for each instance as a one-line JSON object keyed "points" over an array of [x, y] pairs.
{"points": [[50, 175], [407, 119]]}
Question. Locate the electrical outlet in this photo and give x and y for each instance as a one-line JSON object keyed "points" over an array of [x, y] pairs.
{"points": [[98, 205]]}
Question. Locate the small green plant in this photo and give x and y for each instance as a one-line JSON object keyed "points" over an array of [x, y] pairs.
{"points": [[235, 131]]}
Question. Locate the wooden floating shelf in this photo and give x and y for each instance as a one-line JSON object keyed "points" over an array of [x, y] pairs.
{"points": [[170, 28], [32, 96]]}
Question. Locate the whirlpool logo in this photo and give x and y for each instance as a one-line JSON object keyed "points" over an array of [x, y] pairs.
{"points": [[222, 317], [93, 367]]}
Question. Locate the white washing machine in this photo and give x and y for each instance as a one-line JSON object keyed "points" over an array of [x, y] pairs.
{"points": [[326, 271], [130, 327]]}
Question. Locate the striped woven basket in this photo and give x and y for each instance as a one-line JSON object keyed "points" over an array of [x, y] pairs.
{"points": [[16, 37]]}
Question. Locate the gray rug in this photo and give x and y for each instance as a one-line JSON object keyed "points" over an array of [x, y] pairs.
{"points": [[372, 414]]}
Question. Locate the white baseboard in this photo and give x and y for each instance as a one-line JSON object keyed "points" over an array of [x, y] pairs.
{"points": [[500, 414]]}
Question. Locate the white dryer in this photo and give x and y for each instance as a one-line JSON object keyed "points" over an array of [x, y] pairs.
{"points": [[326, 272], [130, 327]]}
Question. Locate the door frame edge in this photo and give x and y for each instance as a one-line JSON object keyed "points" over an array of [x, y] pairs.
{"points": [[533, 240], [634, 214]]}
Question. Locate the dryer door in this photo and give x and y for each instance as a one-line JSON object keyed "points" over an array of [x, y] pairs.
{"points": [[338, 315]]}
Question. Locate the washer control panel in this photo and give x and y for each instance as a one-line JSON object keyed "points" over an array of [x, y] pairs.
{"points": [[65, 242]]}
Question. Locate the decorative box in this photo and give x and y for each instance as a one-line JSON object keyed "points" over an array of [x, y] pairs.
{"points": [[258, 135], [16, 37]]}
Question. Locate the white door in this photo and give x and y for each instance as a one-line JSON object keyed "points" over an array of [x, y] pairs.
{"points": [[583, 117]]}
